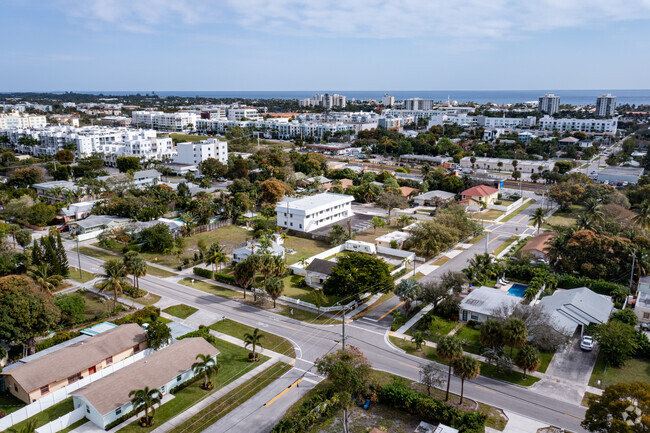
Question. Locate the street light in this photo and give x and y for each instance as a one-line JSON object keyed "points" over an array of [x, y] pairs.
{"points": [[487, 239]]}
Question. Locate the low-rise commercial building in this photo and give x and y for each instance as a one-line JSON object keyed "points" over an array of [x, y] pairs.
{"points": [[615, 175]]}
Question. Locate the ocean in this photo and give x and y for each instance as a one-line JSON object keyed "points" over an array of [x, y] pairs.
{"points": [[573, 97]]}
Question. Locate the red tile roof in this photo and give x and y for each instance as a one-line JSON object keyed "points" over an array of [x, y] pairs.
{"points": [[479, 191]]}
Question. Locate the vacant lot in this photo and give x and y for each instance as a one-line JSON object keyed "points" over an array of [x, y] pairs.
{"points": [[181, 310], [304, 248], [564, 218], [634, 370]]}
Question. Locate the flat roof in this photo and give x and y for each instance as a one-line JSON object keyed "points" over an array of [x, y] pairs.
{"points": [[313, 202], [485, 300], [393, 236], [630, 171]]}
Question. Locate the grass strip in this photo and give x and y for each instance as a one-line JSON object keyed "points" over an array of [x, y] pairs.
{"points": [[48, 415], [520, 209], [181, 310], [73, 274], [269, 341], [233, 399]]}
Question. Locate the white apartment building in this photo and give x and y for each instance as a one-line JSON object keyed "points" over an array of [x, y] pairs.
{"points": [[606, 105], [506, 122], [549, 104], [419, 104], [311, 213], [608, 126], [17, 120], [387, 100], [179, 121], [194, 152], [239, 114], [325, 100]]}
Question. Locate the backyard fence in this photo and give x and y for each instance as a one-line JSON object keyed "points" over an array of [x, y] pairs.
{"points": [[63, 393], [63, 422], [352, 304], [209, 227]]}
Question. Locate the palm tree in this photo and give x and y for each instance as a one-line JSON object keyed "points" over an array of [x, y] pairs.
{"points": [[584, 222], [594, 209], [211, 258], [450, 350], [145, 399], [404, 220], [642, 217], [253, 340], [527, 359], [113, 278], [207, 366], [466, 367], [418, 339], [41, 276], [28, 427], [274, 288], [515, 333], [539, 218], [139, 269], [406, 261], [220, 260]]}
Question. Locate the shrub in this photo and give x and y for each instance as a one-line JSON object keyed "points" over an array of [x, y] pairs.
{"points": [[224, 278], [146, 314], [206, 273], [134, 247], [58, 338]]}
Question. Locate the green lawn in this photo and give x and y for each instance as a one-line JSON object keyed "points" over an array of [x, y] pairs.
{"points": [[634, 370], [148, 299], [234, 363], [48, 415], [9, 403], [470, 338], [563, 218], [99, 254], [157, 272], [270, 341], [369, 235], [435, 327], [85, 275], [517, 211], [213, 289], [491, 214], [441, 261], [73, 426], [476, 239], [293, 289], [304, 248], [97, 306], [230, 401], [181, 310], [115, 252], [505, 245]]}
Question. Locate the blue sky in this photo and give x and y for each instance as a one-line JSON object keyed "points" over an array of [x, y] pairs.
{"points": [[317, 44]]}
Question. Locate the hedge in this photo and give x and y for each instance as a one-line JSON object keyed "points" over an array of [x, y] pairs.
{"points": [[400, 396], [206, 273], [139, 316], [224, 278], [602, 287], [58, 338]]}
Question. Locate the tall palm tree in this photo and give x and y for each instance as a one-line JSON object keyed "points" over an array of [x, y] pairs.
{"points": [[418, 339], [584, 222], [515, 333], [528, 359], [274, 288], [211, 258], [539, 218], [41, 276], [113, 279], [594, 209], [466, 367], [450, 350], [207, 366], [220, 260], [642, 217], [139, 269], [145, 399], [253, 340]]}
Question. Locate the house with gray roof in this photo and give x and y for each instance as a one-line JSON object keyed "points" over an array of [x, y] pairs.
{"points": [[434, 198], [94, 225], [481, 303], [576, 309], [318, 271]]}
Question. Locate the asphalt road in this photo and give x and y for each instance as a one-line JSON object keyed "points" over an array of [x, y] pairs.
{"points": [[312, 341]]}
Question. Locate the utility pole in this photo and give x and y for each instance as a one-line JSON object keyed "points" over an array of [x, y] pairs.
{"points": [[79, 259], [487, 240], [343, 331], [632, 271]]}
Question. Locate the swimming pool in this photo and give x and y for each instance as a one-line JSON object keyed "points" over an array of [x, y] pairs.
{"points": [[517, 290]]}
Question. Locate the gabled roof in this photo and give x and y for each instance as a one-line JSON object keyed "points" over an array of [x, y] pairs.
{"points": [[100, 220], [479, 191], [73, 359], [321, 266], [154, 371], [540, 243], [571, 308], [442, 195]]}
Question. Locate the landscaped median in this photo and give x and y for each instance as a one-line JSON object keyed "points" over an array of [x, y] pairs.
{"points": [[517, 211], [269, 341]]}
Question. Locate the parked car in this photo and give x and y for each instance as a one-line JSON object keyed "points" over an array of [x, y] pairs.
{"points": [[645, 326], [587, 343]]}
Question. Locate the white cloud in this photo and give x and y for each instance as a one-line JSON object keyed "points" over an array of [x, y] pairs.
{"points": [[466, 20]]}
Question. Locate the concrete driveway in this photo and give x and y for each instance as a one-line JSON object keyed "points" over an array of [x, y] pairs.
{"points": [[573, 364]]}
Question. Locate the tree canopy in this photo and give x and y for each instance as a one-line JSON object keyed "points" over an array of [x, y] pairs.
{"points": [[356, 273]]}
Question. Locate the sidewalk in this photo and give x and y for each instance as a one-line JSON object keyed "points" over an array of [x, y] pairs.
{"points": [[405, 327]]}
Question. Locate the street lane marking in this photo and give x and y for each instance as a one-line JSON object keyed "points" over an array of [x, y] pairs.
{"points": [[579, 419], [391, 310], [293, 361], [498, 236], [522, 218], [283, 392], [409, 365], [285, 326], [485, 389], [348, 321]]}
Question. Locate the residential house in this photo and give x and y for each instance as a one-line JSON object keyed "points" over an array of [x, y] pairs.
{"points": [[77, 211], [473, 197], [41, 376], [140, 179], [310, 213], [318, 271], [539, 245], [94, 225], [275, 248], [407, 191], [481, 303], [54, 190], [568, 141], [642, 307], [434, 198], [576, 308], [107, 399], [387, 240]]}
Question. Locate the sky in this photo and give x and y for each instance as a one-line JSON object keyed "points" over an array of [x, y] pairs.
{"points": [[185, 45]]}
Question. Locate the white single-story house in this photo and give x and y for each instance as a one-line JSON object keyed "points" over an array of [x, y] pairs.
{"points": [[481, 303], [276, 248], [318, 271], [642, 307], [398, 237], [576, 308], [107, 399], [433, 198], [94, 225]]}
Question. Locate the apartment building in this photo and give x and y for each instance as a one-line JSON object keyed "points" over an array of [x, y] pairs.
{"points": [[387, 100], [313, 212], [179, 121], [549, 104], [194, 152], [606, 105], [17, 120], [504, 164], [607, 126], [43, 375], [419, 104], [326, 101], [239, 114]]}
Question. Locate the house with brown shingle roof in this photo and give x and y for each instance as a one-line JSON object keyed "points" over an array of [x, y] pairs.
{"points": [[107, 399], [539, 245], [44, 375]]}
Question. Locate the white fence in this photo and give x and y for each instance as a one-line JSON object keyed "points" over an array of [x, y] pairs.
{"points": [[63, 393], [352, 304], [64, 422], [509, 207]]}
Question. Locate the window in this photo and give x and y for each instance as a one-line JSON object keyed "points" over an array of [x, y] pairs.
{"points": [[179, 378], [474, 316], [646, 315], [136, 348], [118, 411], [87, 409], [109, 360], [74, 378]]}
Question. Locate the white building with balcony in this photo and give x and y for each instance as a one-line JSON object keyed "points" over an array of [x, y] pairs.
{"points": [[195, 152], [179, 121], [310, 213], [608, 126]]}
